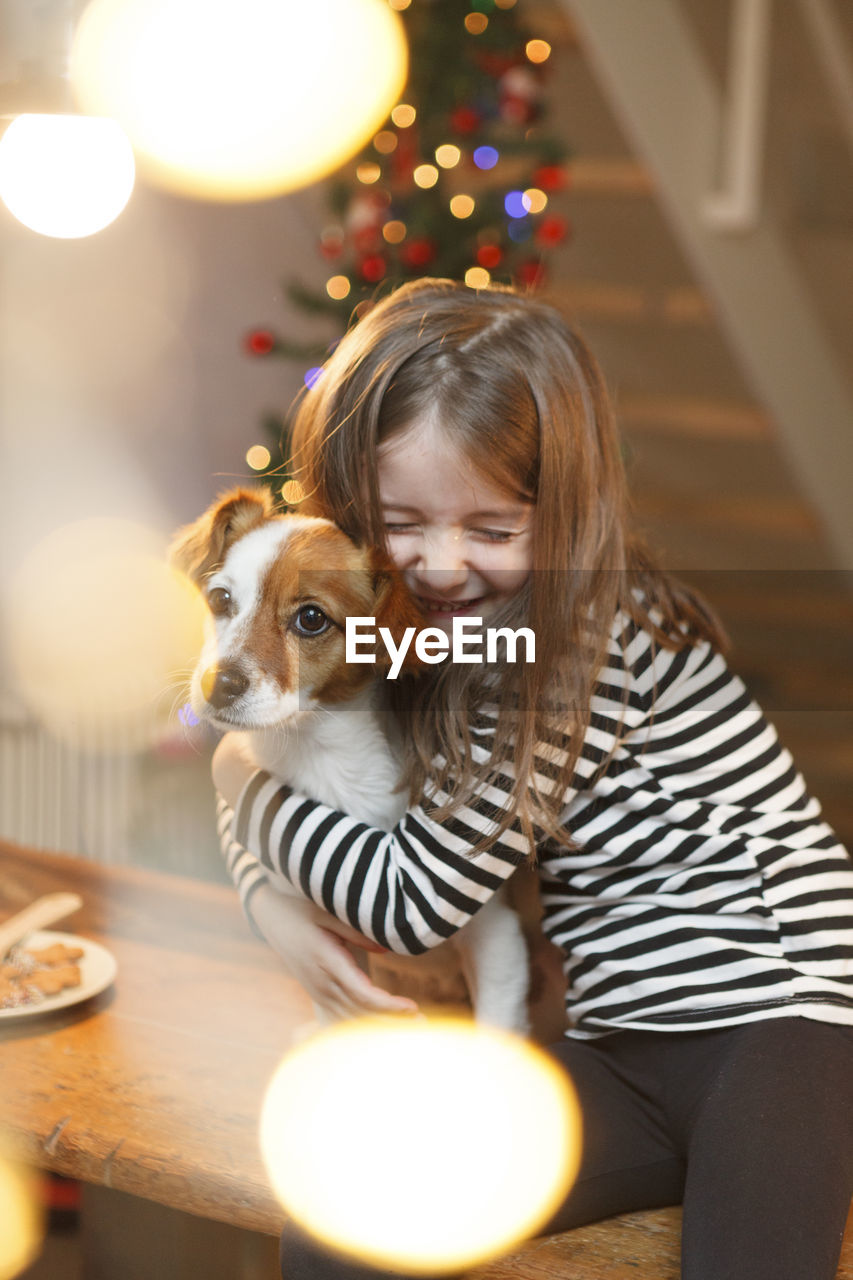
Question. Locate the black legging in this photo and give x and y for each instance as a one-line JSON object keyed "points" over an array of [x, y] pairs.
{"points": [[750, 1127]]}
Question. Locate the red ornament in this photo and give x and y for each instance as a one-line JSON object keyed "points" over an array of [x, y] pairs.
{"points": [[259, 342], [551, 177], [418, 253], [372, 268], [552, 230], [489, 256], [465, 120], [531, 273]]}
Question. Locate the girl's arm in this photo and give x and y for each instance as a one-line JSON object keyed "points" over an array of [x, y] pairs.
{"points": [[408, 889], [311, 943]]}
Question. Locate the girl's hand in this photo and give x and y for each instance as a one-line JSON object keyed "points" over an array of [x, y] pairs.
{"points": [[313, 946]]}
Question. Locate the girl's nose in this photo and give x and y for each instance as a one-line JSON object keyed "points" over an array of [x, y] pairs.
{"points": [[443, 553]]}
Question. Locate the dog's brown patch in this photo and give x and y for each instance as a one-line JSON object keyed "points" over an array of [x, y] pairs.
{"points": [[199, 549]]}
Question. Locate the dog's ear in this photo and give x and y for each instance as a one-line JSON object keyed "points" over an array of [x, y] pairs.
{"points": [[199, 548], [394, 606]]}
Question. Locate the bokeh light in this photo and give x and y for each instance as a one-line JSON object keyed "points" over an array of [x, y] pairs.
{"points": [[21, 1220], [65, 176], [312, 376], [215, 97], [485, 157], [368, 172], [448, 155], [516, 204], [536, 200], [404, 115], [476, 23], [514, 1107], [103, 633], [425, 176], [394, 232], [538, 50], [258, 457], [477, 278], [462, 206], [292, 492], [385, 142], [338, 287]]}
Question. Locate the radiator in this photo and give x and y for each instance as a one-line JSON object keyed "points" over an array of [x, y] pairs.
{"points": [[152, 808]]}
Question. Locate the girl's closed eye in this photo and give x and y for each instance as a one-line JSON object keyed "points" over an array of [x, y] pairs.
{"points": [[496, 535], [491, 535]]}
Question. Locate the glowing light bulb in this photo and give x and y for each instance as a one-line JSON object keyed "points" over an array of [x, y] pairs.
{"points": [[485, 157], [385, 142], [425, 176], [517, 204], [131, 628], [538, 50], [536, 200], [394, 232], [20, 1239], [404, 115], [462, 206], [338, 287], [258, 457], [447, 155], [477, 278], [368, 172], [213, 95], [65, 176], [476, 23], [506, 1112]]}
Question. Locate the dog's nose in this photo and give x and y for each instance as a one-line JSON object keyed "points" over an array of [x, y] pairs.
{"points": [[223, 685]]}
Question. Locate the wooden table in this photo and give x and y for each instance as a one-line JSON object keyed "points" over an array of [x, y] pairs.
{"points": [[155, 1086]]}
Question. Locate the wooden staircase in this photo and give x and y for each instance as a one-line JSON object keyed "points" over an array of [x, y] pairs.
{"points": [[714, 487]]}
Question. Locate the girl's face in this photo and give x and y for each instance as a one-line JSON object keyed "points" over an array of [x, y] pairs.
{"points": [[464, 546]]}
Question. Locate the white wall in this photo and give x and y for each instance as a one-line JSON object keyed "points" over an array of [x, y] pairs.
{"points": [[124, 389]]}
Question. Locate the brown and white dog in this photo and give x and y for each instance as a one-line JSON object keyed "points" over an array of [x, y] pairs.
{"points": [[279, 589]]}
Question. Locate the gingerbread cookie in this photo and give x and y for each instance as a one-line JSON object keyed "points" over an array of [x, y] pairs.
{"points": [[28, 977]]}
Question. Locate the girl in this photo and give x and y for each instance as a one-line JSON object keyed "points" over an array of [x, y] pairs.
{"points": [[703, 907]]}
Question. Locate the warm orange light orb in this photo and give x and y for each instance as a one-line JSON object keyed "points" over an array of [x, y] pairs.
{"points": [[240, 101], [103, 633], [20, 1219], [491, 1124]]}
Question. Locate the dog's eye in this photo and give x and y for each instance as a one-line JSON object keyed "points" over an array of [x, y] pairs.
{"points": [[220, 602], [311, 621]]}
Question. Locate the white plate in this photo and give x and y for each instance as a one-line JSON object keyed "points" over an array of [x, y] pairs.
{"points": [[97, 971]]}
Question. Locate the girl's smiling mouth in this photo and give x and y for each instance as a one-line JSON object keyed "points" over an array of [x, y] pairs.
{"points": [[435, 605]]}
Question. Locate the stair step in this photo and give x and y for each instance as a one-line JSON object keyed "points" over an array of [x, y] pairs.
{"points": [[693, 416], [595, 299], [773, 517]]}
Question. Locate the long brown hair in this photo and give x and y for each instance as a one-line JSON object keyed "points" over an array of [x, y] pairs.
{"points": [[522, 398]]}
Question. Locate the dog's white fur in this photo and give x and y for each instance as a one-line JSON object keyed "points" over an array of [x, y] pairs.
{"points": [[336, 752]]}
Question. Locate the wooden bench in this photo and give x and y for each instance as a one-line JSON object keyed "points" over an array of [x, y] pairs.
{"points": [[635, 1246]]}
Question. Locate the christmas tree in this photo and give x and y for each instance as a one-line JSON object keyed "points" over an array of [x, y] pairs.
{"points": [[456, 184]]}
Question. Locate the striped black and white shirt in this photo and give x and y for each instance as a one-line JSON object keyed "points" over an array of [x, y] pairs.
{"points": [[702, 887]]}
